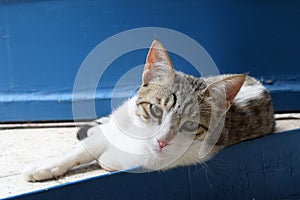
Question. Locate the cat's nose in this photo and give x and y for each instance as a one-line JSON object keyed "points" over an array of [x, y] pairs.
{"points": [[162, 143]]}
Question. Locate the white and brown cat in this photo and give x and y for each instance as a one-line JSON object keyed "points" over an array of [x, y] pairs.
{"points": [[169, 121]]}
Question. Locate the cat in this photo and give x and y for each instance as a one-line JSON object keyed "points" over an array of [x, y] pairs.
{"points": [[174, 120]]}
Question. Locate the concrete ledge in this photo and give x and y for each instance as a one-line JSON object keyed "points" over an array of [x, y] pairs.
{"points": [[264, 168]]}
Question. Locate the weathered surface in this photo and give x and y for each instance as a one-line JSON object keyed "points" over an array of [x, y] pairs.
{"points": [[21, 146], [25, 145]]}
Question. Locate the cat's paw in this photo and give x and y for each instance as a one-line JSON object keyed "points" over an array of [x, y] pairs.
{"points": [[43, 171]]}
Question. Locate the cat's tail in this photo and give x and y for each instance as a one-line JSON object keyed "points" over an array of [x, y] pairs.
{"points": [[83, 131]]}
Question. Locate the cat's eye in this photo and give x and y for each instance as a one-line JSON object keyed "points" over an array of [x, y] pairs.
{"points": [[156, 111], [190, 126]]}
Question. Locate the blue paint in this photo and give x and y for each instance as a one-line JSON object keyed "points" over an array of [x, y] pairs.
{"points": [[249, 170], [43, 43]]}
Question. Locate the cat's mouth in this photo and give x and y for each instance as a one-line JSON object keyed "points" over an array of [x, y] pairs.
{"points": [[162, 145]]}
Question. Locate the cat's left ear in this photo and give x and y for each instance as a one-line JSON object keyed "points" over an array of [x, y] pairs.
{"points": [[158, 66], [226, 90]]}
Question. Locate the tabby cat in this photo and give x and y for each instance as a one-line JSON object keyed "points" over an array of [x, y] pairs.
{"points": [[174, 120]]}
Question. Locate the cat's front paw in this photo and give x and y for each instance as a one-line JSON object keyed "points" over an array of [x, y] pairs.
{"points": [[43, 171]]}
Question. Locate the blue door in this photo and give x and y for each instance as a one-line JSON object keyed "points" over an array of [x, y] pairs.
{"points": [[44, 43]]}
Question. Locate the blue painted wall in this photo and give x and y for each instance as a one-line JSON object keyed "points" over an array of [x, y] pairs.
{"points": [[43, 43]]}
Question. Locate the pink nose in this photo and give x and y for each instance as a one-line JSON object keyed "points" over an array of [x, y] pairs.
{"points": [[162, 143]]}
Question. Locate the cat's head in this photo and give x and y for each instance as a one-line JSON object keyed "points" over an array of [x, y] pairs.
{"points": [[181, 106]]}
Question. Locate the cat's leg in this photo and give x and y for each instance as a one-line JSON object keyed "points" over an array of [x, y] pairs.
{"points": [[85, 151]]}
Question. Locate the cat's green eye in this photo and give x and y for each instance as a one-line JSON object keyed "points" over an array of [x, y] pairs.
{"points": [[190, 126], [156, 111]]}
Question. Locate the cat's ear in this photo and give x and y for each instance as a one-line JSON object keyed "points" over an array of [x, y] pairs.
{"points": [[226, 89], [158, 64]]}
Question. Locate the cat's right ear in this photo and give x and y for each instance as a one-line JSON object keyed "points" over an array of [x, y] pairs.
{"points": [[158, 65], [224, 91]]}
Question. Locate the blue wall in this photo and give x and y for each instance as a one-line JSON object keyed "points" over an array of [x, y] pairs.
{"points": [[43, 43]]}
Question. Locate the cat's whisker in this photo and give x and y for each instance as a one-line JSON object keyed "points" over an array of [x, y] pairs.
{"points": [[207, 172]]}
